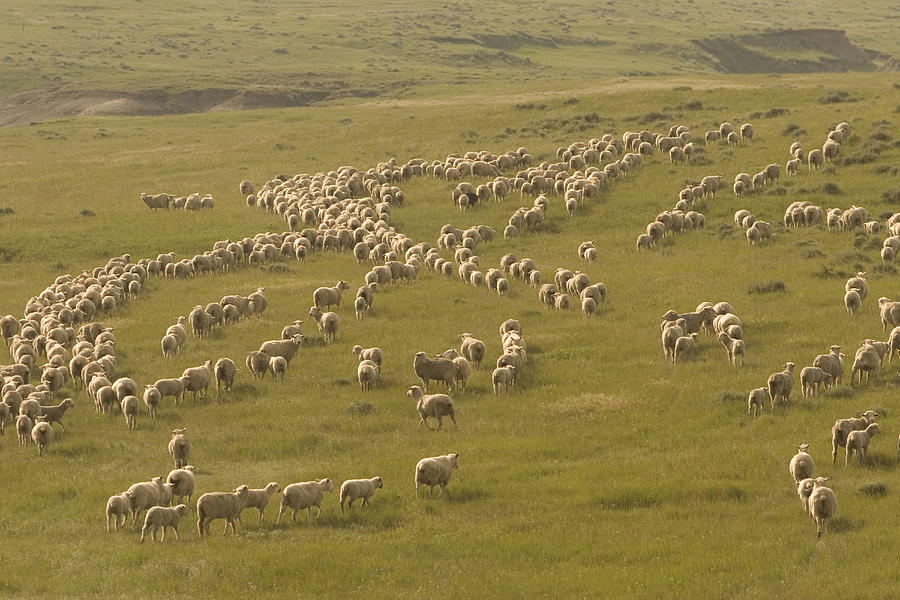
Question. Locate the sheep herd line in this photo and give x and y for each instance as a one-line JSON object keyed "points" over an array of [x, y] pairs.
{"points": [[350, 210]]}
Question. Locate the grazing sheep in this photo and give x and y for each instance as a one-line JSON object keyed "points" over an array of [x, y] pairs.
{"points": [[746, 132], [684, 347], [152, 400], [289, 331], [433, 405], [180, 447], [304, 495], [116, 511], [221, 505], [353, 489], [162, 517], [842, 428], [832, 364], [259, 499], [224, 372], [811, 378], [858, 441], [436, 470], [182, 483], [802, 465], [852, 301], [822, 505], [780, 384], [734, 348], [125, 386], [755, 401], [324, 297], [130, 408], [328, 323], [439, 369]]}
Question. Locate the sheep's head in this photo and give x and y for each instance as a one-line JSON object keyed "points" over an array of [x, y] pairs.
{"points": [[819, 481], [873, 429], [272, 488], [869, 416], [378, 483], [803, 447]]}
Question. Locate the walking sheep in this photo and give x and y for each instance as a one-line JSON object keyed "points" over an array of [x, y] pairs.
{"points": [[755, 401], [802, 465], [780, 384], [433, 405], [224, 372], [180, 447], [842, 428], [858, 441], [811, 378], [116, 511], [304, 495], [328, 323], [221, 505], [353, 489], [182, 482], [435, 470], [130, 408], [259, 499], [439, 369], [162, 517], [822, 505]]}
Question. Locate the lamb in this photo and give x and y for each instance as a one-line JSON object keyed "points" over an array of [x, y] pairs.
{"points": [[802, 465], [286, 349], [734, 348], [42, 434], [152, 400], [755, 401], [24, 425], [180, 447], [278, 367], [822, 505], [684, 347], [304, 495], [367, 374], [170, 387], [433, 405], [353, 489], [289, 331], [811, 378], [842, 428], [182, 483], [505, 376], [463, 370], [116, 511], [54, 414], [170, 346], [852, 301], [439, 369], [197, 379], [780, 384], [436, 470], [143, 495], [221, 505], [328, 323], [858, 441], [259, 499], [130, 408], [162, 516], [831, 364], [804, 490], [324, 297]]}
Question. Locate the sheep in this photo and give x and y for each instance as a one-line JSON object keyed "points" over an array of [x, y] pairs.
{"points": [[890, 313], [755, 401], [804, 490], [180, 447], [832, 364], [684, 346], [258, 364], [130, 408], [197, 379], [162, 516], [169, 345], [644, 242], [361, 307], [278, 367], [353, 489], [588, 306], [182, 482], [324, 297], [792, 166], [54, 414], [154, 201], [780, 384], [152, 399], [289, 331], [815, 159], [859, 284], [116, 511], [868, 360], [734, 348], [201, 321], [802, 465], [746, 131], [822, 505], [221, 505], [472, 349], [224, 372], [852, 301], [439, 369], [24, 425], [170, 387], [811, 378], [328, 323], [42, 434], [858, 441], [505, 376], [374, 354], [125, 386], [304, 495], [286, 349], [367, 374], [143, 495], [259, 499], [893, 343], [842, 428], [433, 405], [435, 470]]}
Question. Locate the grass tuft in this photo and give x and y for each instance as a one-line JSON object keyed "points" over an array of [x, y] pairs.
{"points": [[767, 287]]}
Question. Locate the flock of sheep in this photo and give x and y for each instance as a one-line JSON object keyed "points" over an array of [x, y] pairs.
{"points": [[350, 210]]}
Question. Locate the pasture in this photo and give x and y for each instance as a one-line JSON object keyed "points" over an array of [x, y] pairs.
{"points": [[608, 472]]}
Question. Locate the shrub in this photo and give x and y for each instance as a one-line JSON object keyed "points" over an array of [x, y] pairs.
{"points": [[765, 287]]}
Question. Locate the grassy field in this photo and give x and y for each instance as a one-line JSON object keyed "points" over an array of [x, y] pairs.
{"points": [[607, 473]]}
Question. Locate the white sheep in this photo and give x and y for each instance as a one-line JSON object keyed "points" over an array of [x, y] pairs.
{"points": [[367, 374], [278, 367], [221, 505], [116, 511], [804, 490], [755, 401], [842, 428], [432, 405], [802, 465], [328, 323], [324, 297], [182, 483], [811, 378], [162, 517], [259, 499], [353, 489], [42, 434], [684, 347], [852, 301], [180, 447], [152, 399], [780, 384], [734, 348], [858, 441], [435, 470], [503, 376], [143, 495], [304, 495], [374, 354], [822, 505]]}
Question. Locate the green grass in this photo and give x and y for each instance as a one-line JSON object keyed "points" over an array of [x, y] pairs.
{"points": [[606, 473]]}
